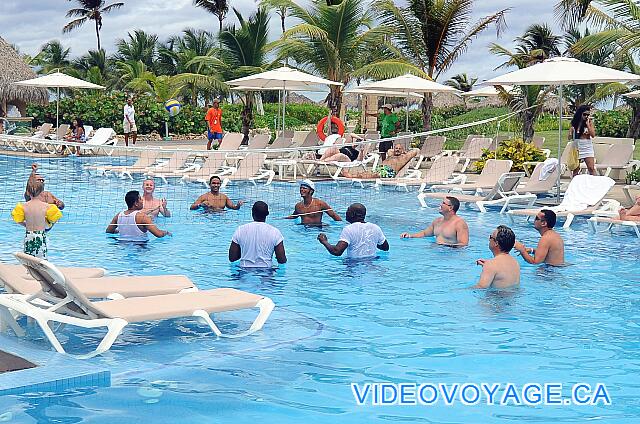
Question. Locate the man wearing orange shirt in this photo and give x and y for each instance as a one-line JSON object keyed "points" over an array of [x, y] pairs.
{"points": [[214, 118]]}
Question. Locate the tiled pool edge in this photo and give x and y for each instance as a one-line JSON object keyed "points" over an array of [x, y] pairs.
{"points": [[54, 372]]}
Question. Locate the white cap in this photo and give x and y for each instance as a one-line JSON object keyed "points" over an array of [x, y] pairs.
{"points": [[308, 183], [387, 106]]}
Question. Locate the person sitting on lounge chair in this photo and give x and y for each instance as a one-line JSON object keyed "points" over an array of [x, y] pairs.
{"points": [[632, 213], [395, 161], [503, 270], [450, 229], [151, 205], [310, 209], [45, 196], [256, 243], [132, 225], [550, 248], [360, 239], [214, 200]]}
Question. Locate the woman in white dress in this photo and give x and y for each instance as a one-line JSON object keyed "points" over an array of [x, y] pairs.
{"points": [[581, 132]]}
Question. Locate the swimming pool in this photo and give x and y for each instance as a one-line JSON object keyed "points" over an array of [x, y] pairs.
{"points": [[405, 317]]}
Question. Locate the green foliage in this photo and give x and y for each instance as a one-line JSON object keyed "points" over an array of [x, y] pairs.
{"points": [[515, 150], [633, 176], [612, 123]]}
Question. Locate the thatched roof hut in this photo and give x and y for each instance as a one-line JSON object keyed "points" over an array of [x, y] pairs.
{"points": [[13, 69]]}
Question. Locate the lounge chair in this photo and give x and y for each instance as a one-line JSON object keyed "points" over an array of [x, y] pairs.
{"points": [[465, 145], [487, 179], [65, 303], [431, 149], [249, 169], [176, 166], [474, 152], [618, 157], [584, 196], [16, 279], [627, 192], [213, 165], [259, 142], [612, 222], [441, 170], [102, 137], [231, 142], [504, 189], [146, 159]]}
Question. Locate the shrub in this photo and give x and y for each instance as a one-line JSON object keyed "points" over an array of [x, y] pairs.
{"points": [[515, 150], [633, 176], [612, 123]]}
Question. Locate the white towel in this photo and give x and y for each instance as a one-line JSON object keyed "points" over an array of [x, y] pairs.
{"points": [[548, 166], [328, 142], [584, 191]]}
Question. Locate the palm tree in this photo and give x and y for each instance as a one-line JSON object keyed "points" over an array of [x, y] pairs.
{"points": [[278, 6], [138, 46], [89, 10], [94, 66], [433, 34], [219, 8], [52, 56], [331, 41], [534, 46], [461, 82]]}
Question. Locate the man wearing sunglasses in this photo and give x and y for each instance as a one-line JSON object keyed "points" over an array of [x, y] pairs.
{"points": [[550, 248], [45, 196], [449, 229], [503, 270]]}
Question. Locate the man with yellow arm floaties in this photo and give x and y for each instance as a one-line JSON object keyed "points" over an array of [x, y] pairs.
{"points": [[38, 217]]}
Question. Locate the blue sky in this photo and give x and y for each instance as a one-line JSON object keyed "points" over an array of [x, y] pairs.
{"points": [[30, 23]]}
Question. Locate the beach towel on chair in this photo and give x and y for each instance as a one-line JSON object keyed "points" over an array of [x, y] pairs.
{"points": [[584, 191], [548, 166]]}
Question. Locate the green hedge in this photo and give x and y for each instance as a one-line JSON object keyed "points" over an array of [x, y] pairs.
{"points": [[613, 123]]}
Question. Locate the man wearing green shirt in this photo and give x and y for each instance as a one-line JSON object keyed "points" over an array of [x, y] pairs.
{"points": [[389, 126]]}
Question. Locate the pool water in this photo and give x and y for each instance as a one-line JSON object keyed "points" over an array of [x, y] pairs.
{"points": [[404, 317]]}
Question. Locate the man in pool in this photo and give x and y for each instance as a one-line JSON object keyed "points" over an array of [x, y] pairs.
{"points": [[45, 196], [503, 270], [256, 243], [550, 248], [310, 209], [395, 161], [450, 229], [214, 200], [132, 225], [360, 239], [153, 206]]}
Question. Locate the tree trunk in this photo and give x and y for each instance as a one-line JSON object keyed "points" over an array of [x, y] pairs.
{"points": [[528, 120], [220, 19], [98, 35], [427, 108], [334, 101], [247, 116], [282, 21], [634, 126]]}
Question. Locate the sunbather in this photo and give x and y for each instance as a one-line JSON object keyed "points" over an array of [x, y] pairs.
{"points": [[310, 209], [395, 161], [131, 225], [450, 229], [503, 270], [37, 216], [550, 248], [632, 213], [214, 200], [45, 196], [151, 205]]}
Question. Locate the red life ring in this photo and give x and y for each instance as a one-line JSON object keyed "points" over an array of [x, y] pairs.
{"points": [[334, 120]]}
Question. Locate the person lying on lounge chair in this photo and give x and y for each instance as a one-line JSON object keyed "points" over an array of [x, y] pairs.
{"points": [[449, 229], [632, 213], [550, 248], [395, 161]]}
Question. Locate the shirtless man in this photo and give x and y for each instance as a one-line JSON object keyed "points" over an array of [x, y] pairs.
{"points": [[450, 229], [503, 270], [631, 214], [396, 160], [214, 200], [45, 196], [550, 248], [310, 209], [131, 224], [151, 205]]}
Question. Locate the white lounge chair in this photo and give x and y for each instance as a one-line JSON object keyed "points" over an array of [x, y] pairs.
{"points": [[618, 157], [474, 151], [146, 159], [431, 149], [504, 189], [584, 196], [176, 166], [441, 170], [487, 179], [250, 169], [213, 165], [613, 222], [67, 304], [101, 137]]}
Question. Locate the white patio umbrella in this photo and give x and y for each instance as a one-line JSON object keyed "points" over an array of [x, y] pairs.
{"points": [[488, 91], [58, 80], [409, 84], [281, 79], [561, 71]]}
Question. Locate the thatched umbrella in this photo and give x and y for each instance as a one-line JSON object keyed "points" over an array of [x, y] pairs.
{"points": [[13, 69]]}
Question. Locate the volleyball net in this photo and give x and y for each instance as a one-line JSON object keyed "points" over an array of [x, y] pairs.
{"points": [[92, 180]]}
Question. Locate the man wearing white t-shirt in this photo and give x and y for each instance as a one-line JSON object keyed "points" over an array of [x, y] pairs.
{"points": [[255, 243], [360, 239], [129, 122]]}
